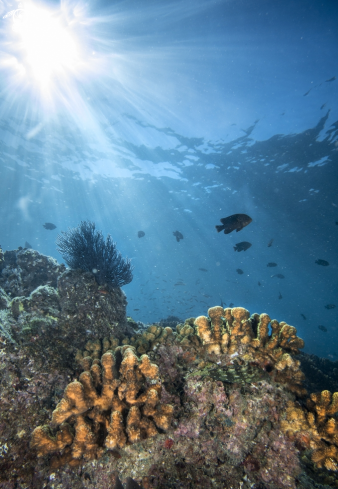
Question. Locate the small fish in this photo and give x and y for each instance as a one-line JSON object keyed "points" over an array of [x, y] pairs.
{"points": [[270, 243], [203, 269], [231, 304], [323, 263], [280, 296], [178, 283], [278, 275], [242, 246], [322, 328], [307, 93], [222, 303], [330, 306], [259, 284], [136, 309], [178, 236], [49, 225], [236, 221], [331, 79], [28, 246], [303, 316], [140, 234], [271, 264], [239, 271], [322, 107]]}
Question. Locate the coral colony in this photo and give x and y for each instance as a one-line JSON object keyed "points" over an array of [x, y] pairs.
{"points": [[85, 249], [216, 401]]}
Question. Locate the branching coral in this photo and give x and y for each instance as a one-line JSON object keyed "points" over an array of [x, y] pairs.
{"points": [[315, 427], [120, 395]]}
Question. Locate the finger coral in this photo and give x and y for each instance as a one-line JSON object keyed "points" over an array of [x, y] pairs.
{"points": [[316, 427], [117, 401]]}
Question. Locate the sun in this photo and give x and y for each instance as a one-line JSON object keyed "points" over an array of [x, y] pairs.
{"points": [[49, 48]]}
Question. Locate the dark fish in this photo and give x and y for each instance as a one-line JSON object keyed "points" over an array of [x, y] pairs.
{"points": [[280, 296], [279, 275], [307, 93], [222, 303], [28, 246], [259, 284], [271, 264], [49, 225], [242, 246], [236, 221], [178, 236], [331, 79], [322, 107], [303, 316], [231, 304], [330, 306], [140, 234], [322, 328], [136, 309], [323, 263], [203, 269], [270, 243], [239, 271]]}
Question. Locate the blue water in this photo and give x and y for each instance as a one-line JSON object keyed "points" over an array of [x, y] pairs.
{"points": [[175, 115]]}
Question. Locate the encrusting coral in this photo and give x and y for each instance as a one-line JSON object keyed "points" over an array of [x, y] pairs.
{"points": [[120, 395], [315, 427]]}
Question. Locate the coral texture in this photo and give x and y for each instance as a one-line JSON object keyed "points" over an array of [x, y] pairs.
{"points": [[316, 427], [120, 396]]}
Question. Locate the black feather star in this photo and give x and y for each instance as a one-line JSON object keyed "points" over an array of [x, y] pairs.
{"points": [[85, 248]]}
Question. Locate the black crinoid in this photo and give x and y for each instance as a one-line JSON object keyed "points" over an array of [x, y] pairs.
{"points": [[85, 248]]}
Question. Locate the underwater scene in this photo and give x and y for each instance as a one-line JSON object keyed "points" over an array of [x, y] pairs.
{"points": [[168, 244]]}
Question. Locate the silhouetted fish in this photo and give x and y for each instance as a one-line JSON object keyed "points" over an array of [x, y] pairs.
{"points": [[322, 107], [323, 263], [331, 79], [28, 246], [140, 234], [271, 264], [270, 243], [259, 284], [239, 271], [231, 304], [236, 221], [136, 309], [322, 328], [49, 225], [178, 236], [279, 275], [242, 246], [330, 306], [303, 316], [280, 296], [203, 269]]}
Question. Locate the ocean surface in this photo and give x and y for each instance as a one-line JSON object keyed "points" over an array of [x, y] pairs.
{"points": [[169, 116]]}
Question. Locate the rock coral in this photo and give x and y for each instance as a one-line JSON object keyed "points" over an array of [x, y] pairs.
{"points": [[84, 248], [24, 270], [316, 427], [120, 395]]}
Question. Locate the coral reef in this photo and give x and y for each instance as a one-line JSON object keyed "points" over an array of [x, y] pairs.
{"points": [[120, 396], [24, 270], [315, 427], [85, 249], [212, 402]]}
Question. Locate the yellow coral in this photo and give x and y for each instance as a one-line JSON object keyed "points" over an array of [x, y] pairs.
{"points": [[106, 398]]}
